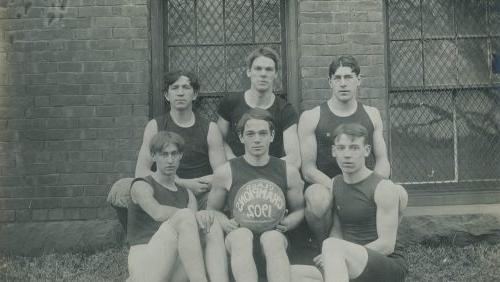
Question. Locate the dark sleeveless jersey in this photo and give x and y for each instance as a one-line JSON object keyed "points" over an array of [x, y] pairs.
{"points": [[242, 172], [327, 124], [195, 161], [232, 108], [357, 211], [141, 226]]}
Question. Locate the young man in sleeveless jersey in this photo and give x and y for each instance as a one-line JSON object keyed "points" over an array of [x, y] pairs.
{"points": [[204, 146], [204, 149], [363, 243], [262, 70], [315, 127], [163, 224], [256, 132]]}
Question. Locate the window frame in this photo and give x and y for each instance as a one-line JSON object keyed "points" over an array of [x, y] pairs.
{"points": [[453, 192], [289, 62]]}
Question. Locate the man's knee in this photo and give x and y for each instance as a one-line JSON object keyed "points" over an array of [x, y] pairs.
{"points": [[184, 219], [333, 245], [239, 239], [318, 200], [273, 242], [216, 231]]}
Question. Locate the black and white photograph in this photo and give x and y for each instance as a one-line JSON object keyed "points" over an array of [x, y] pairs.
{"points": [[250, 140]]}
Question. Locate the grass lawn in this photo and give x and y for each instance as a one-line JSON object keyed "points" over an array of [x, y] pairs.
{"points": [[444, 262]]}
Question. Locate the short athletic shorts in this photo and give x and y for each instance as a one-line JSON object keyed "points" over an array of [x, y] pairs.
{"points": [[381, 268]]}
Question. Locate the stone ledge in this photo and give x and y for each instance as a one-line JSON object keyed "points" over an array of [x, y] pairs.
{"points": [[36, 238], [460, 225]]}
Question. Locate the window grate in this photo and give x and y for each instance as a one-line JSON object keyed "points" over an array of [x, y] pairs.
{"points": [[444, 90]]}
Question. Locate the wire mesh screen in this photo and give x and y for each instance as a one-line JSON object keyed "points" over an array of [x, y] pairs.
{"points": [[213, 37], [444, 91]]}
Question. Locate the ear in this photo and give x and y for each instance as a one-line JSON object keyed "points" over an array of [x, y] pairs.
{"points": [[248, 72], [368, 149], [272, 136], [334, 152], [154, 157], [195, 95], [330, 82], [166, 96], [240, 135], [359, 80]]}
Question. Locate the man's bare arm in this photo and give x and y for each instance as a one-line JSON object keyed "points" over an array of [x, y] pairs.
{"points": [[142, 194], [224, 130], [291, 146], [215, 143], [387, 218], [382, 165], [144, 159], [308, 148], [295, 199]]}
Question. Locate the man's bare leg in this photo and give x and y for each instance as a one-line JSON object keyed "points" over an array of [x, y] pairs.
{"points": [[318, 211], [239, 244], [189, 246], [215, 254], [343, 260], [274, 245]]}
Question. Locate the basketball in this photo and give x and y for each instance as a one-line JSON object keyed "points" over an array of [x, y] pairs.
{"points": [[259, 205]]}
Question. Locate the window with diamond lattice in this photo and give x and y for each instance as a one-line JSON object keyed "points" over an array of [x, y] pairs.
{"points": [[444, 92], [213, 37]]}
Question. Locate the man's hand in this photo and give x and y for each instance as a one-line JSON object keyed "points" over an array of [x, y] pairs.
{"points": [[205, 220], [207, 179], [196, 185], [282, 226], [318, 261], [228, 225]]}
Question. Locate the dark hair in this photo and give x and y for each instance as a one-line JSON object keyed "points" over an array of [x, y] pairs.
{"points": [[263, 52], [255, 113], [173, 76], [344, 61], [351, 129], [163, 139]]}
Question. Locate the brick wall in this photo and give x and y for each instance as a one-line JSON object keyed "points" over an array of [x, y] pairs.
{"points": [[74, 82], [328, 29]]}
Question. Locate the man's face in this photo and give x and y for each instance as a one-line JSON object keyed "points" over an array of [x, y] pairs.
{"points": [[257, 137], [350, 153], [180, 94], [344, 83], [167, 161], [262, 74]]}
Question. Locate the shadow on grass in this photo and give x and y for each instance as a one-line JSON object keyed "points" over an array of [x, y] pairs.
{"points": [[433, 260]]}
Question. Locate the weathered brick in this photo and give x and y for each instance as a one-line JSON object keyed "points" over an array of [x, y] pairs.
{"points": [[88, 213], [112, 21], [56, 214], [70, 67], [45, 203], [77, 179], [40, 215], [14, 204], [102, 11], [71, 213], [23, 215], [7, 216], [130, 33], [95, 33], [131, 11], [113, 111]]}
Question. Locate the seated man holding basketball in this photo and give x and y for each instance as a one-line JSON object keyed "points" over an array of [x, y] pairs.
{"points": [[363, 243], [163, 224], [257, 191]]}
